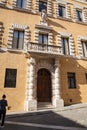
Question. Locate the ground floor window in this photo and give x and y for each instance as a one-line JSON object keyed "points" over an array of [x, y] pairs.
{"points": [[71, 80], [10, 78]]}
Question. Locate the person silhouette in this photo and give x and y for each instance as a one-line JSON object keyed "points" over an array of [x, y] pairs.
{"points": [[3, 105]]}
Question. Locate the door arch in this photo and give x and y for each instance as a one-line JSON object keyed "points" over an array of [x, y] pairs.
{"points": [[44, 89]]}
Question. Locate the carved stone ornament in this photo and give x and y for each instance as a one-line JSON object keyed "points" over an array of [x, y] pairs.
{"points": [[44, 17]]}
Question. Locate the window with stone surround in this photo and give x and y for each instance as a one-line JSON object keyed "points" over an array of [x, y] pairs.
{"points": [[71, 80], [44, 35], [79, 15], [62, 11], [18, 39], [42, 5], [21, 3], [84, 48], [66, 42], [43, 38], [10, 78], [65, 45]]}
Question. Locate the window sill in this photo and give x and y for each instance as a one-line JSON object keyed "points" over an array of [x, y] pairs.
{"points": [[84, 58], [22, 10], [15, 50], [81, 22], [64, 18]]}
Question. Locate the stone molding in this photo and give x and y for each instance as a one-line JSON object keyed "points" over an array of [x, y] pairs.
{"points": [[3, 2], [26, 35], [1, 33]]}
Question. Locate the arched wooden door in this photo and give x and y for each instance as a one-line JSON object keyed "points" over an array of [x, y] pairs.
{"points": [[44, 90]]}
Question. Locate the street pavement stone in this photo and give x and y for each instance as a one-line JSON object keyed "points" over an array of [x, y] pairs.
{"points": [[72, 119]]}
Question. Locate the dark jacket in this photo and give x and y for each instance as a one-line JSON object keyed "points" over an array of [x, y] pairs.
{"points": [[3, 104]]}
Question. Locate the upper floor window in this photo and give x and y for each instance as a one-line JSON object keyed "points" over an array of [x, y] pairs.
{"points": [[79, 15], [21, 3], [43, 38], [10, 78], [61, 11], [84, 48], [71, 80], [42, 5], [65, 45], [18, 39]]}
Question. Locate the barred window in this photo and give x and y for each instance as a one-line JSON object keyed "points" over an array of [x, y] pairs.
{"points": [[10, 78], [71, 80]]}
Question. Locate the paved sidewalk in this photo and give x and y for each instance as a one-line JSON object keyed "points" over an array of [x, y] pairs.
{"points": [[72, 117], [65, 108]]}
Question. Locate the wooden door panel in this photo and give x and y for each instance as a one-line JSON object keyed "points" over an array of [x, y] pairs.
{"points": [[44, 86]]}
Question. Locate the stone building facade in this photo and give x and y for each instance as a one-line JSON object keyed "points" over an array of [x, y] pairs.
{"points": [[43, 53]]}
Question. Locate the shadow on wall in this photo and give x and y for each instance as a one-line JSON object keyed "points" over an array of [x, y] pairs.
{"points": [[78, 94], [55, 24], [48, 119]]}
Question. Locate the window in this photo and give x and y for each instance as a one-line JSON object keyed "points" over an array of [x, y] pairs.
{"points": [[84, 48], [10, 78], [21, 3], [43, 38], [42, 5], [79, 15], [65, 46], [18, 39], [71, 80], [86, 77], [61, 11]]}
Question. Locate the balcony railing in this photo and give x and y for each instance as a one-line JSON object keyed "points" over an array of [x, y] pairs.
{"points": [[44, 48]]}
